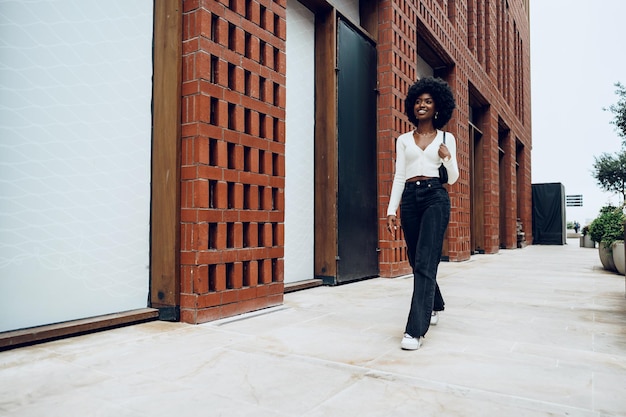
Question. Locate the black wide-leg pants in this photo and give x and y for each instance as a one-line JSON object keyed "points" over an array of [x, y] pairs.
{"points": [[425, 213]]}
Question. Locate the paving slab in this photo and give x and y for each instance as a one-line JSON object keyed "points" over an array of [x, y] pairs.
{"points": [[532, 332]]}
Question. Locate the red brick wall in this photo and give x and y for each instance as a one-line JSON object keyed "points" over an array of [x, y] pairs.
{"points": [[233, 157]]}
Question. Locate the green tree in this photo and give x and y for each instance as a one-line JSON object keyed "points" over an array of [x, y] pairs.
{"points": [[610, 172], [619, 112]]}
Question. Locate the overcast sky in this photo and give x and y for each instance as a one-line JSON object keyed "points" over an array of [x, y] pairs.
{"points": [[577, 55]]}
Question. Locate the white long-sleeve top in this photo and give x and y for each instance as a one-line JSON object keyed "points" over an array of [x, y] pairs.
{"points": [[412, 161]]}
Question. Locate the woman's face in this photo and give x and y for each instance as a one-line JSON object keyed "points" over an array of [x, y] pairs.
{"points": [[424, 107]]}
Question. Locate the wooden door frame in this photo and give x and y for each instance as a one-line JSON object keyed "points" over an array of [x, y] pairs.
{"points": [[165, 175], [326, 102], [477, 200], [325, 159], [503, 205]]}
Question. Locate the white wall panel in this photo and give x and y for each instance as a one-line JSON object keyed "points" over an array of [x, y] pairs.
{"points": [[299, 149], [75, 97]]}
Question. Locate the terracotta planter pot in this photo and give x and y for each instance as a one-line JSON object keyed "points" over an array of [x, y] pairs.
{"points": [[606, 257], [619, 257]]}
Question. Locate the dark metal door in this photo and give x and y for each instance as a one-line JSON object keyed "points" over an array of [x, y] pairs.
{"points": [[357, 234]]}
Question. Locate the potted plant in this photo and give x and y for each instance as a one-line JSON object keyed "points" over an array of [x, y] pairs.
{"points": [[606, 229], [585, 239]]}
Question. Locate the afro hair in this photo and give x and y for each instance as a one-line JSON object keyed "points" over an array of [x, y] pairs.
{"points": [[442, 96]]}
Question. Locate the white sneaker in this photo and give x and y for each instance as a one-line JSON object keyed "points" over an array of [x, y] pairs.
{"points": [[434, 318], [410, 343]]}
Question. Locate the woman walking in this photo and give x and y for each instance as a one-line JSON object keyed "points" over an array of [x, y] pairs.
{"points": [[423, 201]]}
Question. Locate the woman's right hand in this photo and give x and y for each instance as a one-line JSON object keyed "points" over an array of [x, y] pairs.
{"points": [[392, 223]]}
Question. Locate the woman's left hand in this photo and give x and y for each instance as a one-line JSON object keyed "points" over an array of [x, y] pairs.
{"points": [[444, 153]]}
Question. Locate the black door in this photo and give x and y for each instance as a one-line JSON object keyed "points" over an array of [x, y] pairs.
{"points": [[357, 234]]}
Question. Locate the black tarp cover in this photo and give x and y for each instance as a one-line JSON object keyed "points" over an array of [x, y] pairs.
{"points": [[549, 224]]}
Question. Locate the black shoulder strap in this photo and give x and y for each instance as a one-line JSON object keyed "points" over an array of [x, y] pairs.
{"points": [[444, 137]]}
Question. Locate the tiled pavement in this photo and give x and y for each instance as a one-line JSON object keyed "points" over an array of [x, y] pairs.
{"points": [[535, 332]]}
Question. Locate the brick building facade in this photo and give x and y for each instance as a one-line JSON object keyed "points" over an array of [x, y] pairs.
{"points": [[245, 149], [220, 117]]}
